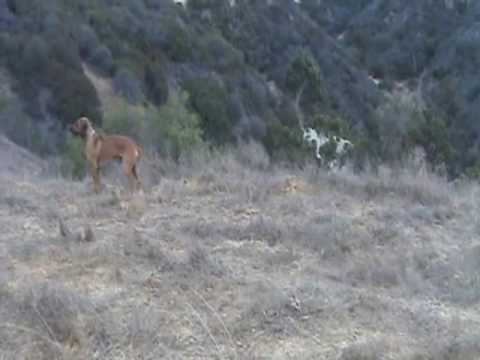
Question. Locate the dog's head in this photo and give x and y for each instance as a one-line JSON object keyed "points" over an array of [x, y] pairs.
{"points": [[80, 127]]}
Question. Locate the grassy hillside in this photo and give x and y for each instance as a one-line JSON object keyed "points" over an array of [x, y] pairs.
{"points": [[229, 258]]}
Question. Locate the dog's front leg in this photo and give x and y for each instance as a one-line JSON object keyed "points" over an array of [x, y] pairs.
{"points": [[95, 171]]}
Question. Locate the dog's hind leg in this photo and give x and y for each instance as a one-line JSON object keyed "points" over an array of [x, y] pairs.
{"points": [[130, 171], [138, 184]]}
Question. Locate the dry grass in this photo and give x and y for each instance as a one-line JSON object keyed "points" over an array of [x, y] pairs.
{"points": [[230, 257]]}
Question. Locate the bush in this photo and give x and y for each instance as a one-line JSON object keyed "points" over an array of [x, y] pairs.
{"points": [[175, 130], [156, 82], [217, 52], [102, 59], [332, 125], [394, 119], [283, 142], [303, 68], [21, 128], [253, 155], [87, 41], [123, 118], [172, 129], [432, 135], [72, 162], [73, 95], [34, 57], [178, 43], [210, 100], [127, 85]]}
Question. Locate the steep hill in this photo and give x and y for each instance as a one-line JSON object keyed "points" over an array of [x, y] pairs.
{"points": [[243, 62], [17, 161]]}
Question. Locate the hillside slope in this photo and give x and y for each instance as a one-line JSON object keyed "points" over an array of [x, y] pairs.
{"points": [[243, 64], [17, 161], [225, 259]]}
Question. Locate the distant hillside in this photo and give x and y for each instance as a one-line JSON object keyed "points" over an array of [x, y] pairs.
{"points": [[242, 65]]}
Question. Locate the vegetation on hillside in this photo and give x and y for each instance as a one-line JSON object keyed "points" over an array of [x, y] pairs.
{"points": [[241, 66]]}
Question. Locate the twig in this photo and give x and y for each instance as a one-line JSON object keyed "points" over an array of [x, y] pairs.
{"points": [[204, 325], [220, 320], [44, 322]]}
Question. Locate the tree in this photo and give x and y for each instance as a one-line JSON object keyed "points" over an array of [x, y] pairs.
{"points": [[210, 100], [178, 45], [127, 85], [156, 83], [175, 129], [102, 59], [34, 59], [432, 135], [303, 69], [74, 96]]}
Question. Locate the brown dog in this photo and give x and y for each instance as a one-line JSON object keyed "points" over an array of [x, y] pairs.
{"points": [[101, 148]]}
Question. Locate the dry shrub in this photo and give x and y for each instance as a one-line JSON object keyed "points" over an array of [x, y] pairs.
{"points": [[52, 322], [56, 311], [253, 155], [417, 187], [377, 271], [373, 350], [201, 263], [459, 347]]}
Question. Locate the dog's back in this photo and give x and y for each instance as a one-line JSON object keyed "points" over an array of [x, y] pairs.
{"points": [[118, 147]]}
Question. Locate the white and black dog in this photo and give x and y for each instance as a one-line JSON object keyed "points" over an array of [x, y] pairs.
{"points": [[342, 146]]}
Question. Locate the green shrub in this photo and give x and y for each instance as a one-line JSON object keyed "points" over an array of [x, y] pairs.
{"points": [[209, 98], [432, 135], [391, 125], [87, 40], [102, 59], [73, 95], [283, 142], [220, 54], [178, 43], [72, 164], [127, 85], [174, 129], [34, 58], [331, 124], [303, 68], [122, 118], [473, 172], [304, 73], [156, 83]]}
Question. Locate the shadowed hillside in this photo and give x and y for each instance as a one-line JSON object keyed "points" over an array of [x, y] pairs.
{"points": [[237, 66], [229, 257]]}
